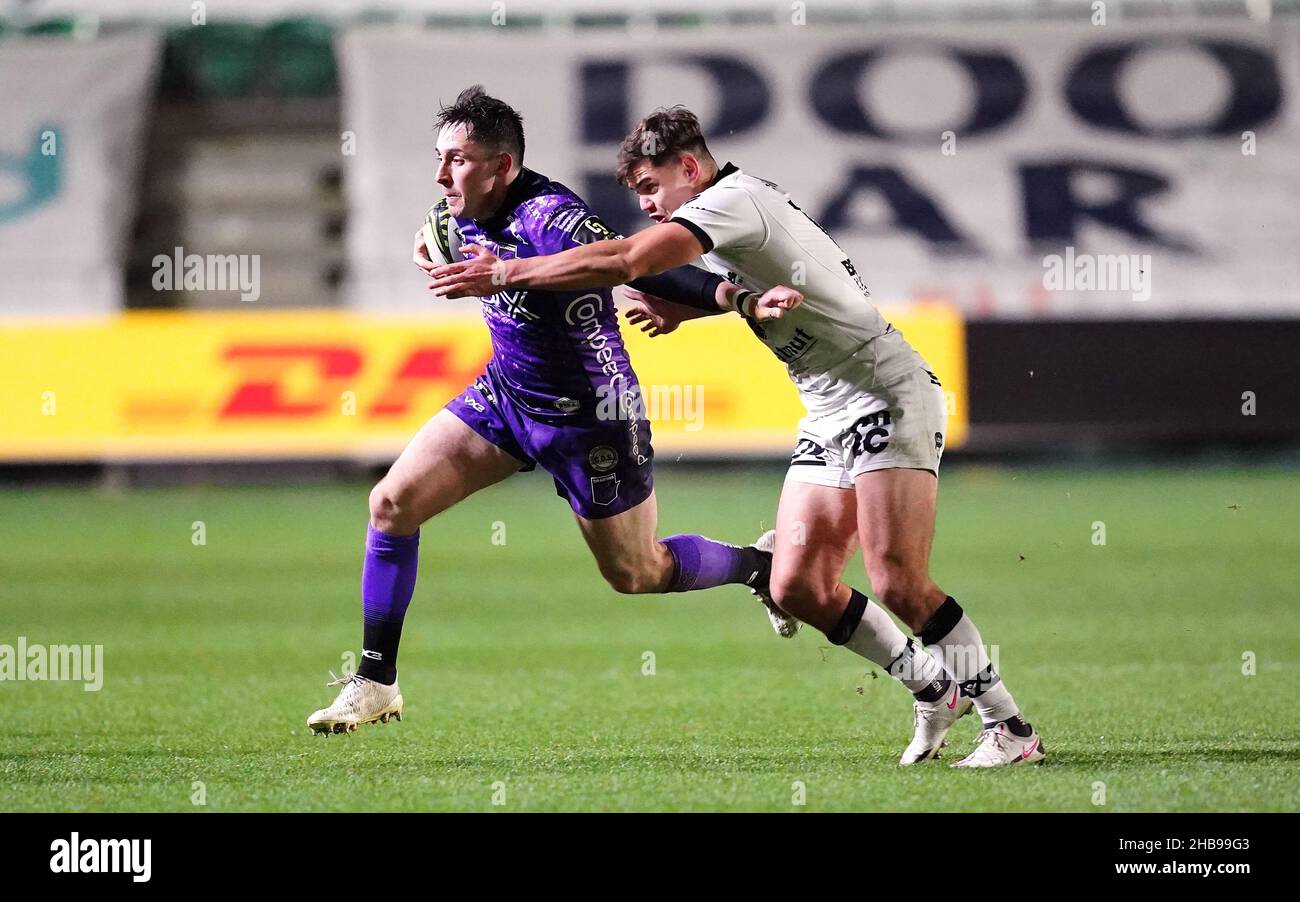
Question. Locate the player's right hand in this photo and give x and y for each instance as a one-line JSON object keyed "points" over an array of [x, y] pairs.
{"points": [[421, 255], [775, 302]]}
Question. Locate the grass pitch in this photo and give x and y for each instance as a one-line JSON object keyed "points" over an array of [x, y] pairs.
{"points": [[523, 673]]}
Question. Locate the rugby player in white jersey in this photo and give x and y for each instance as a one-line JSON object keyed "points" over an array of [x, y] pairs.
{"points": [[866, 462]]}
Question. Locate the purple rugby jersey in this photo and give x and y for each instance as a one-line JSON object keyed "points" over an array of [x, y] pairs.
{"points": [[558, 385], [555, 351]]}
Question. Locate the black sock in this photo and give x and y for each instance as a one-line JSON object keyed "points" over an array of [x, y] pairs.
{"points": [[760, 563], [933, 692], [941, 623], [849, 620], [1016, 725], [379, 650]]}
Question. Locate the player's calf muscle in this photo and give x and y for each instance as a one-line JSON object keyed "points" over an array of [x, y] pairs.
{"points": [[635, 578], [635, 569], [627, 554], [910, 594]]}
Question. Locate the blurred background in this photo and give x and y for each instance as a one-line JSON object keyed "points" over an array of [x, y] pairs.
{"points": [[1082, 213]]}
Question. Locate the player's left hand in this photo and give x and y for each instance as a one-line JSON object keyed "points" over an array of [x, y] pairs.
{"points": [[655, 315], [774, 303], [477, 276]]}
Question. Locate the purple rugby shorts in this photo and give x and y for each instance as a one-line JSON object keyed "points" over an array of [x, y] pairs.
{"points": [[602, 467]]}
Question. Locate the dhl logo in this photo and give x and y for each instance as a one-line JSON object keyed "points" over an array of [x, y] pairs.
{"points": [[266, 391], [298, 381]]}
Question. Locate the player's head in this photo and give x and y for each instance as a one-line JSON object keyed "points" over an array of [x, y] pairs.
{"points": [[665, 161], [480, 151]]}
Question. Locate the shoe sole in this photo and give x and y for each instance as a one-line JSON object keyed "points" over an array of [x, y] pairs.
{"points": [[785, 626], [393, 711]]}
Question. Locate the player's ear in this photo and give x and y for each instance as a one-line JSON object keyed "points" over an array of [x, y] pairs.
{"points": [[690, 166]]}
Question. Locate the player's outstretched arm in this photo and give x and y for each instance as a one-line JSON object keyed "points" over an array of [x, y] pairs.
{"points": [[647, 253], [602, 264]]}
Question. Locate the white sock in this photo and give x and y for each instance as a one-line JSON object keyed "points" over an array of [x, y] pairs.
{"points": [[961, 649], [878, 639]]}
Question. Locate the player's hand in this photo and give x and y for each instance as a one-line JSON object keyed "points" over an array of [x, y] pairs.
{"points": [[479, 276], [775, 302], [421, 256], [655, 315]]}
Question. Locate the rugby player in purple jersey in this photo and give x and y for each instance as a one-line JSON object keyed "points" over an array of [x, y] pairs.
{"points": [[559, 391]]}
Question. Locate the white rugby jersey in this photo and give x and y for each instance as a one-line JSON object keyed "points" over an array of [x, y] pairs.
{"points": [[756, 237]]}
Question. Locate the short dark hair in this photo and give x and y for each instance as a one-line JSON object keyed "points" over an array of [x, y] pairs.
{"points": [[660, 137], [491, 122]]}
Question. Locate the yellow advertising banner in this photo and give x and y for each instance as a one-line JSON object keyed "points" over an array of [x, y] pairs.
{"points": [[187, 385]]}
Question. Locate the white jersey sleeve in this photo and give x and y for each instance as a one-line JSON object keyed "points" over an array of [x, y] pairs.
{"points": [[723, 217]]}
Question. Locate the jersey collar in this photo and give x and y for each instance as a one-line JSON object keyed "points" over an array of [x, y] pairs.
{"points": [[725, 171], [520, 190]]}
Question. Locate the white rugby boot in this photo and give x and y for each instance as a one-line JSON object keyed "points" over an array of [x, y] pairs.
{"points": [[359, 701], [999, 747], [932, 721], [785, 625]]}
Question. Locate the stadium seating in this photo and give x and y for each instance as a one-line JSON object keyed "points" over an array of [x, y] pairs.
{"points": [[302, 54]]}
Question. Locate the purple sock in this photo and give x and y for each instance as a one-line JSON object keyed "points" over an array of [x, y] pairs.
{"points": [[700, 563], [387, 583]]}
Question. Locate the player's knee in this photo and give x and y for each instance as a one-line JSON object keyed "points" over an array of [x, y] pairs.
{"points": [[389, 513], [800, 593]]}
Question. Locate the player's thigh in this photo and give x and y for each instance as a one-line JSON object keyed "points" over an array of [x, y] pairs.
{"points": [[444, 463], [816, 529], [626, 548], [896, 514]]}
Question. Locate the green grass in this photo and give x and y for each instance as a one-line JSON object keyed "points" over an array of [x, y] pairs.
{"points": [[519, 665]]}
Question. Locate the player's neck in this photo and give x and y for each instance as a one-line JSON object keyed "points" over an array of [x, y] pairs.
{"points": [[707, 175], [502, 192]]}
